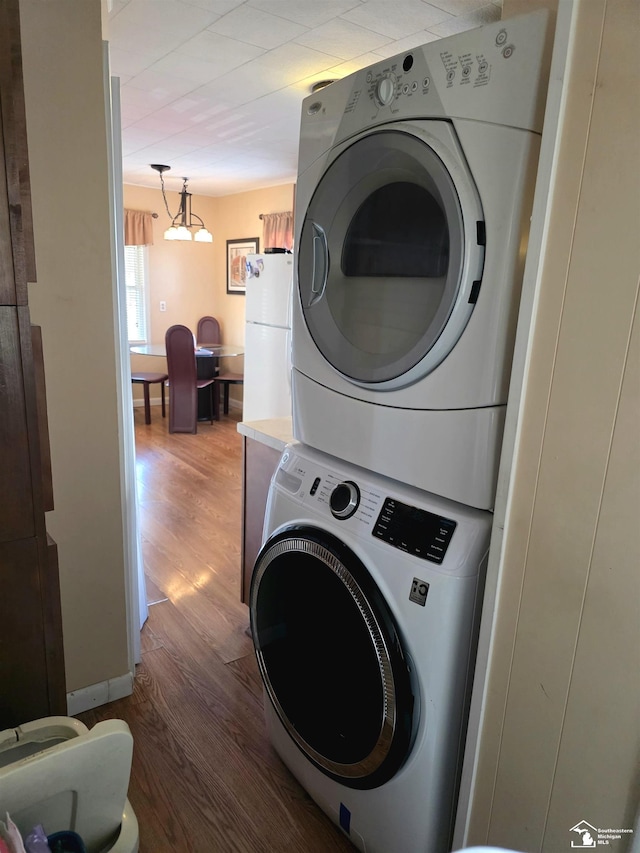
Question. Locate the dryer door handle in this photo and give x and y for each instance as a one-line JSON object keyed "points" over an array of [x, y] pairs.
{"points": [[320, 270]]}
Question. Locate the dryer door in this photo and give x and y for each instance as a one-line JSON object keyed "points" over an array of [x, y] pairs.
{"points": [[391, 254], [331, 657]]}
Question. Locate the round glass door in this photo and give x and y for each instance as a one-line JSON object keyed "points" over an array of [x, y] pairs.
{"points": [[331, 658], [384, 249]]}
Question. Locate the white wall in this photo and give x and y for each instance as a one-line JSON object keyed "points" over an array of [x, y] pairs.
{"points": [[72, 301], [560, 736]]}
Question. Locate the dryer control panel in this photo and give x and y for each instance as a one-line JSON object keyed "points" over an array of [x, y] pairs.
{"points": [[496, 74]]}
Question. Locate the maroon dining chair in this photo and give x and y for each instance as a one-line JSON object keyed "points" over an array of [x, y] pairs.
{"points": [[146, 380], [227, 379], [209, 333], [183, 381]]}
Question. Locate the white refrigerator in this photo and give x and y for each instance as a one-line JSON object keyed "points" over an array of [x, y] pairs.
{"points": [[267, 359]]}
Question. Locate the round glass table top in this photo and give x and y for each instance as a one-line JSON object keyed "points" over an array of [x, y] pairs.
{"points": [[202, 350]]}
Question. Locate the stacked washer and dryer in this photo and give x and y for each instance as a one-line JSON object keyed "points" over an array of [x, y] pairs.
{"points": [[413, 200]]}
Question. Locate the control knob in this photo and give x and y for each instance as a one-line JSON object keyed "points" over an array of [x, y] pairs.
{"points": [[344, 500], [386, 90]]}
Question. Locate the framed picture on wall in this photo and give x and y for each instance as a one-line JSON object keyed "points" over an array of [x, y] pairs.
{"points": [[237, 251]]}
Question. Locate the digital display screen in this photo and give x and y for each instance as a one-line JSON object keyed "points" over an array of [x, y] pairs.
{"points": [[414, 530]]}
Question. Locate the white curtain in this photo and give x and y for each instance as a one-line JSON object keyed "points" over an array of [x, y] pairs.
{"points": [[278, 230], [138, 228]]}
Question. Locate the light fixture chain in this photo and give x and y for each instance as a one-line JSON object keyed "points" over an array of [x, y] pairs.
{"points": [[171, 216]]}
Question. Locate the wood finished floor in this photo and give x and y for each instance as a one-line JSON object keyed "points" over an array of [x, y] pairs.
{"points": [[204, 777]]}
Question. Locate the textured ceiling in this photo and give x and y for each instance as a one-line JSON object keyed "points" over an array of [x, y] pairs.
{"points": [[213, 88]]}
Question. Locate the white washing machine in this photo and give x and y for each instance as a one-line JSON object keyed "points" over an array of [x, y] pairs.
{"points": [[365, 602], [413, 200]]}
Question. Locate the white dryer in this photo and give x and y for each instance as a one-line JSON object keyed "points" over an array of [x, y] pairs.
{"points": [[365, 602], [413, 200]]}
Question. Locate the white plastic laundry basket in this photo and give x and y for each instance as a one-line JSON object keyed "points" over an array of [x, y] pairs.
{"points": [[58, 773]]}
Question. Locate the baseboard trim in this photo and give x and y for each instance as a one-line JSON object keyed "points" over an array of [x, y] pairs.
{"points": [[153, 401], [99, 694]]}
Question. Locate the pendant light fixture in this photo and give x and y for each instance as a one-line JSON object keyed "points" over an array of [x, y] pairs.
{"points": [[185, 222]]}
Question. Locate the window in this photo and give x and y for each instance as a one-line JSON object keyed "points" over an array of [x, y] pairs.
{"points": [[135, 267]]}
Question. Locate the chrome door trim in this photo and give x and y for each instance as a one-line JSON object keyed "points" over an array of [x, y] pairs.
{"points": [[358, 771]]}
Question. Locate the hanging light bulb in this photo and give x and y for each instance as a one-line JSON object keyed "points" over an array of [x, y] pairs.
{"points": [[184, 220], [203, 236]]}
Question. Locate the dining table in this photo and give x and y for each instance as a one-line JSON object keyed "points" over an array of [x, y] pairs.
{"points": [[201, 350], [207, 356]]}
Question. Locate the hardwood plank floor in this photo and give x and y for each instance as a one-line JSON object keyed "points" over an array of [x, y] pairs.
{"points": [[204, 778]]}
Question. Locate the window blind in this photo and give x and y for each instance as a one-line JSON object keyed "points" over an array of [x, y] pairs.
{"points": [[135, 263]]}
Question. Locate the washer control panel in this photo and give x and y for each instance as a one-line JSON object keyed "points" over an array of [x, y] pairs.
{"points": [[367, 509], [414, 530]]}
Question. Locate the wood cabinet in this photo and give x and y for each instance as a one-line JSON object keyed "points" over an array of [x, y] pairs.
{"points": [[31, 657], [259, 461]]}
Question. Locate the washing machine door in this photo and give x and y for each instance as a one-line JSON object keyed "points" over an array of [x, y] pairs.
{"points": [[391, 253], [331, 657]]}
